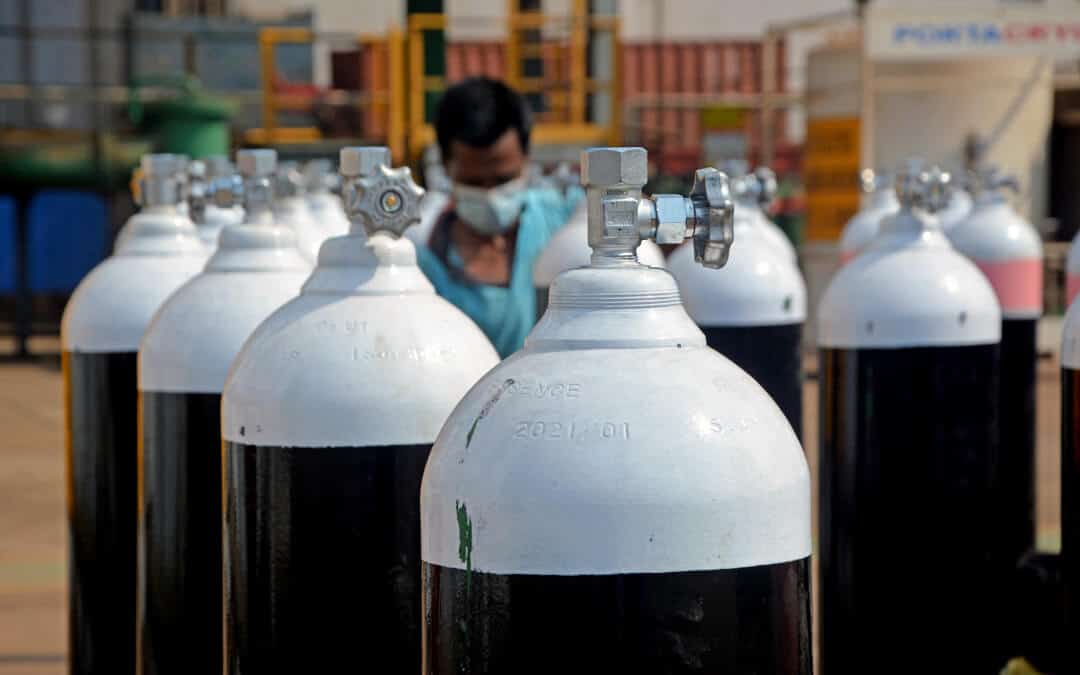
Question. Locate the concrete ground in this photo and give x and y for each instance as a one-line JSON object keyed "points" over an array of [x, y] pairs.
{"points": [[32, 528]]}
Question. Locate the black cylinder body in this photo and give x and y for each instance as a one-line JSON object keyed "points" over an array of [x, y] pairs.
{"points": [[909, 478], [772, 355], [1070, 511], [180, 526], [102, 440], [750, 620], [323, 558], [1016, 510]]}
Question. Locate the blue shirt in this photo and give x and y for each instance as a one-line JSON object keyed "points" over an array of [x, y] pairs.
{"points": [[506, 314]]}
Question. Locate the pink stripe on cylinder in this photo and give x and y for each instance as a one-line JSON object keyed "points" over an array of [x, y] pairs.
{"points": [[1017, 283]]}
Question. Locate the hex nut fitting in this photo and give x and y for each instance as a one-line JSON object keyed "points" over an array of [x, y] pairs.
{"points": [[614, 167]]}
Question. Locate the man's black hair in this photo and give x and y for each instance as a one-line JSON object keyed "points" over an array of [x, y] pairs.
{"points": [[479, 110]]}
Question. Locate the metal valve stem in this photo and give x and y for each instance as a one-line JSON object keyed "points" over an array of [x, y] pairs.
{"points": [[620, 217]]}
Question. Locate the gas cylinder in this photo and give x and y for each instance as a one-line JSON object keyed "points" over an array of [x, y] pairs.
{"points": [[879, 201], [617, 497], [908, 335], [569, 248], [291, 209], [752, 311], [1070, 481], [754, 191], [957, 208], [325, 206], [1009, 252], [328, 416], [183, 359], [100, 334], [183, 167], [208, 217]]}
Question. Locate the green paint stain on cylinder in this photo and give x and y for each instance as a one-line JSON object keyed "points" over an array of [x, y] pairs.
{"points": [[465, 542], [465, 545]]}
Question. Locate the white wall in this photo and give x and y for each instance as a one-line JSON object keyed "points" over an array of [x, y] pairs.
{"points": [[642, 19], [363, 16], [714, 19]]}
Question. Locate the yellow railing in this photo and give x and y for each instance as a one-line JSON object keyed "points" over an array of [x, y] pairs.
{"points": [[575, 128], [387, 104], [270, 132], [400, 103]]}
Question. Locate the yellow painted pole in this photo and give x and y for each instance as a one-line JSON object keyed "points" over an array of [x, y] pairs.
{"points": [[396, 124], [513, 45], [615, 86], [578, 58], [416, 84], [266, 78]]}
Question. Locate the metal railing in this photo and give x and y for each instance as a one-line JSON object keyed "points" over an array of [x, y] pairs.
{"points": [[572, 126], [383, 105]]}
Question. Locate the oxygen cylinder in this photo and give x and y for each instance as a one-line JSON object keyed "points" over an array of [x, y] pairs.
{"points": [[957, 208], [751, 311], [617, 497], [1009, 252], [325, 206], [908, 335], [879, 202], [183, 168], [754, 191], [291, 210], [100, 334], [569, 248], [328, 416], [183, 359], [1070, 482], [208, 217]]}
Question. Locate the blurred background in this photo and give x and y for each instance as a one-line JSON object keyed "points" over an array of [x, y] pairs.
{"points": [[814, 89]]}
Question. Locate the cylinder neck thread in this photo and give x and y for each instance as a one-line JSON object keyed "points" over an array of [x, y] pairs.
{"points": [[256, 168], [163, 180], [158, 191], [258, 198]]}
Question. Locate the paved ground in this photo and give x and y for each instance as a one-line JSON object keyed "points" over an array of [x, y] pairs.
{"points": [[32, 532]]}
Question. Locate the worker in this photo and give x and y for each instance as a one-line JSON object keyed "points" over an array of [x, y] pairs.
{"points": [[480, 252]]}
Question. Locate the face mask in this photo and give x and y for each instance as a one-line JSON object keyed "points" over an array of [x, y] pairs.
{"points": [[490, 211]]}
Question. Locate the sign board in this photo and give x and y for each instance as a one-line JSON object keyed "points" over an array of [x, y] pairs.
{"points": [[831, 174], [931, 32]]}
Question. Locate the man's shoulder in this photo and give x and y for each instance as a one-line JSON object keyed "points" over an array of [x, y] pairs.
{"points": [[550, 208]]}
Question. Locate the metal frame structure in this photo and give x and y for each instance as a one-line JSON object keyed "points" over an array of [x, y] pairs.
{"points": [[577, 129], [405, 98], [390, 102]]}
